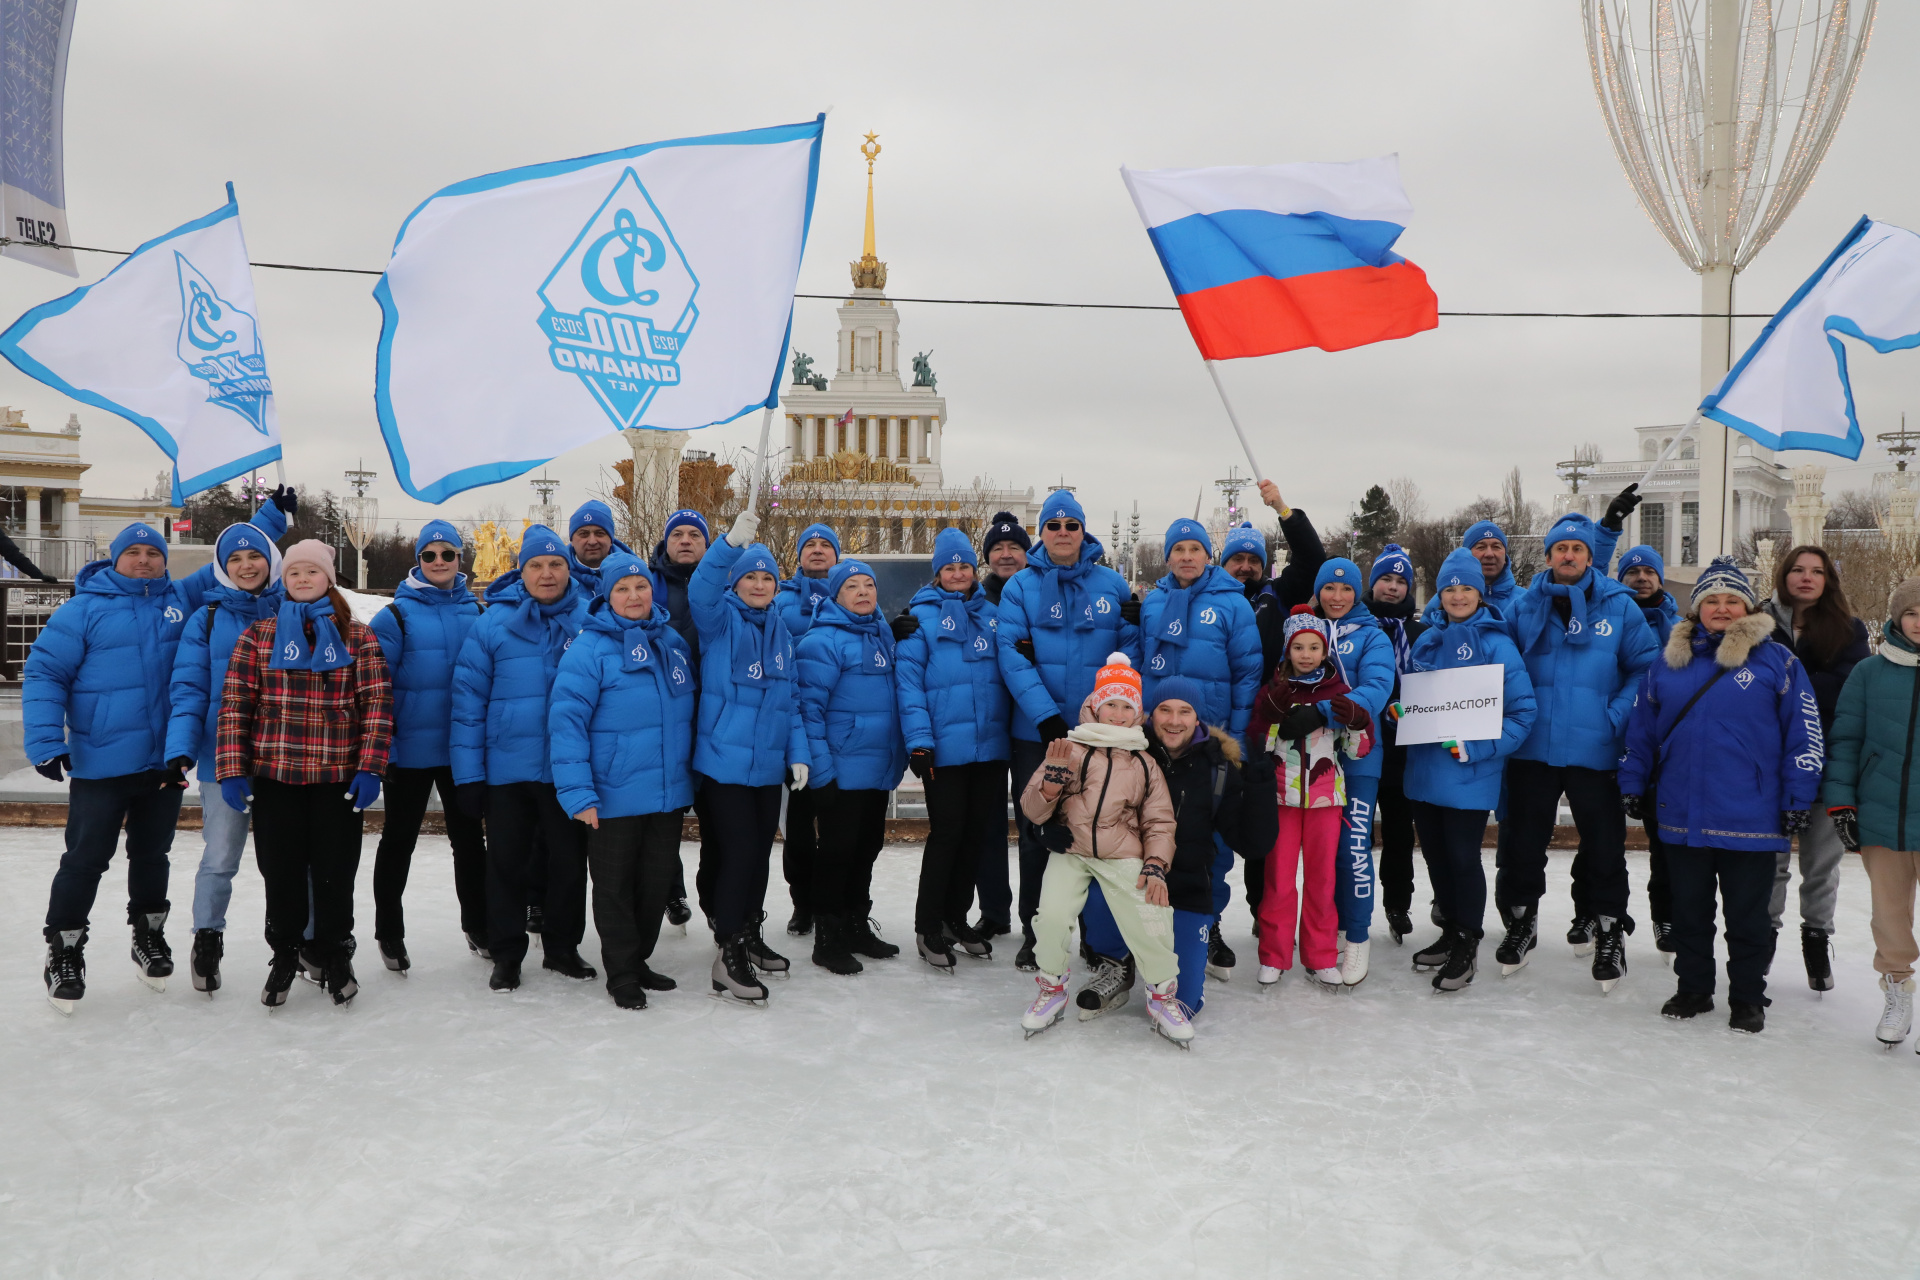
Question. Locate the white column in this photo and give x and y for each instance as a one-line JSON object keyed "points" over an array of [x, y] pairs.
{"points": [[70, 514], [33, 511], [933, 445]]}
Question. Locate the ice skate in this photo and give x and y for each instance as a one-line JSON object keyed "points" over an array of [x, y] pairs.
{"points": [[1817, 949], [312, 968], [1581, 935], [477, 947], [1220, 957], [1353, 963], [678, 913], [733, 979], [1023, 959], [970, 940], [864, 939], [151, 954], [1462, 963], [1270, 976], [394, 956], [340, 982], [1168, 1015], [1434, 955], [1609, 953], [1682, 1005], [1328, 977], [568, 964], [831, 950], [66, 971], [1663, 941], [1896, 1020], [1399, 924], [1112, 984], [537, 923], [286, 962], [936, 951], [1522, 937], [761, 956], [208, 947], [1748, 1018], [1047, 1006]]}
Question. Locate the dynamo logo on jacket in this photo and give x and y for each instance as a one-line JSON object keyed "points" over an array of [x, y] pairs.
{"points": [[220, 345], [619, 304]]}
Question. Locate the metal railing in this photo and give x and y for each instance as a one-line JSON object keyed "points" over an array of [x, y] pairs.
{"points": [[61, 557], [25, 607]]}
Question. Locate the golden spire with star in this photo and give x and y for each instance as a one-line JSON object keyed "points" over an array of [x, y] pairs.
{"points": [[869, 272]]}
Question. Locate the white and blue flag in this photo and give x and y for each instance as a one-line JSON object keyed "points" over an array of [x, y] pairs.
{"points": [[1791, 389], [531, 311], [33, 92], [168, 340]]}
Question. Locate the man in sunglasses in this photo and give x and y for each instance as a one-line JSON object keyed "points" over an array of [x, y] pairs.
{"points": [[590, 541], [1058, 621]]}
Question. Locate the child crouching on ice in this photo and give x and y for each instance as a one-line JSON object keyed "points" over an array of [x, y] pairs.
{"points": [[1306, 743], [1102, 798]]}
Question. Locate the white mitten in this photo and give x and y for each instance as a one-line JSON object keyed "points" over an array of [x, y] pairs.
{"points": [[746, 527], [799, 777]]}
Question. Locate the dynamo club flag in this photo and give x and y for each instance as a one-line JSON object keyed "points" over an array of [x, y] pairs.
{"points": [[169, 341], [1278, 257], [534, 310], [1791, 389], [33, 92]]}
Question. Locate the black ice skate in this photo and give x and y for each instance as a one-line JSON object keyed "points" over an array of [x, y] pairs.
{"points": [[1522, 937], [969, 940], [536, 921], [66, 971], [1110, 988], [394, 956], [1220, 957], [151, 954], [1609, 953], [1434, 955], [1462, 963], [1581, 935], [733, 978], [1023, 959], [286, 962], [760, 955], [340, 983], [312, 967], [1817, 949], [209, 945], [1663, 941], [1399, 924]]}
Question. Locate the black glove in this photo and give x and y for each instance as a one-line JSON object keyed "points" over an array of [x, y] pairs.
{"points": [[177, 772], [287, 500], [920, 760], [470, 798], [905, 625], [1621, 507], [1794, 821], [1052, 729], [51, 769], [1024, 648], [1846, 820], [47, 577], [1634, 807], [1301, 721], [1130, 610]]}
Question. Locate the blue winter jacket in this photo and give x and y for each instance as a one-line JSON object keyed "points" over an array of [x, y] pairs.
{"points": [[797, 600], [1749, 749], [1366, 651], [1660, 616], [502, 681], [749, 732], [1501, 595], [1216, 644], [1072, 616], [1433, 774], [1585, 691], [620, 726], [421, 634], [847, 699], [200, 670], [589, 579], [952, 699]]}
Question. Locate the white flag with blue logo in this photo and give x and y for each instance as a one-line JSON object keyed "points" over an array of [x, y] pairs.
{"points": [[168, 340], [531, 311], [1791, 389]]}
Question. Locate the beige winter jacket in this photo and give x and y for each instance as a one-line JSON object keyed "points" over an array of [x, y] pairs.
{"points": [[1116, 802]]}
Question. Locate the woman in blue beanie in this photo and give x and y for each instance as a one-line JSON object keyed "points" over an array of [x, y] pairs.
{"points": [[800, 596]]}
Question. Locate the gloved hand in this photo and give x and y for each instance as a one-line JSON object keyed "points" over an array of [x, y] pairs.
{"points": [[1458, 748], [1621, 507], [1392, 711], [920, 760], [177, 772], [1634, 807], [1846, 820], [905, 625], [51, 769], [48, 577], [470, 798], [1794, 821], [799, 772], [364, 789], [746, 527], [236, 792], [287, 500], [1301, 721], [1130, 610], [1024, 648], [1052, 729]]}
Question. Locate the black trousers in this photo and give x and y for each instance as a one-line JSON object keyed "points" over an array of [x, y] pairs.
{"points": [[97, 809], [1659, 886], [966, 814], [991, 876], [632, 860], [1450, 839], [1033, 855], [707, 870], [1745, 881], [307, 833], [853, 830], [1393, 827], [743, 821], [1600, 865], [802, 847], [407, 792], [516, 812]]}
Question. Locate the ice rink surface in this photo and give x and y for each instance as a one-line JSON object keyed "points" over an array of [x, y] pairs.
{"points": [[896, 1124]]}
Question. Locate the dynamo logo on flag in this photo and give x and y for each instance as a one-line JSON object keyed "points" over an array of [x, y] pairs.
{"points": [[620, 304], [220, 344]]}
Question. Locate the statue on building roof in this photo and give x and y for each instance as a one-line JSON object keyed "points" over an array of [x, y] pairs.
{"points": [[923, 371], [802, 369]]}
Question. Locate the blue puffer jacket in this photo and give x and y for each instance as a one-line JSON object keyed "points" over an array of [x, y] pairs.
{"points": [[749, 733], [847, 699], [1504, 589], [1749, 749], [1660, 616], [421, 634], [1366, 651], [502, 681], [952, 699], [1585, 691], [589, 579], [200, 670], [1072, 616], [670, 591], [1206, 633], [799, 597], [1433, 774], [621, 722]]}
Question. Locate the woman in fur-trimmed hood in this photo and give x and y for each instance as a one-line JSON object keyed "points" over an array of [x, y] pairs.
{"points": [[1724, 747]]}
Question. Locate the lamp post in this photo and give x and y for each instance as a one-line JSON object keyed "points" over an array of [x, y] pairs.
{"points": [[363, 518]]}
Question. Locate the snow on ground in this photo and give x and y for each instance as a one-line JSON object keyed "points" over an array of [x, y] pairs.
{"points": [[896, 1124]]}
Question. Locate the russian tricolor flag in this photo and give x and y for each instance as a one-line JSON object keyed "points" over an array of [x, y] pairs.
{"points": [[1278, 257]]}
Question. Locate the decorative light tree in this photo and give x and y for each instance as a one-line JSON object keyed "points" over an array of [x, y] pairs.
{"points": [[362, 520], [1721, 111]]}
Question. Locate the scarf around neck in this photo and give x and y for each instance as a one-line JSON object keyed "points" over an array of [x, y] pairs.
{"points": [[960, 622], [642, 650], [1095, 734], [1537, 606], [291, 652], [759, 644], [1061, 594], [1177, 613]]}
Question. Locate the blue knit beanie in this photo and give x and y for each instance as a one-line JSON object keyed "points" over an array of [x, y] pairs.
{"points": [[140, 534], [621, 564], [1244, 537], [436, 531], [844, 570], [1392, 559], [1460, 569], [818, 531], [1572, 527], [1721, 577], [1482, 529], [755, 558], [591, 513], [1060, 505], [687, 517], [539, 540], [1177, 689], [950, 546], [1185, 530], [1338, 569], [244, 537], [1642, 557]]}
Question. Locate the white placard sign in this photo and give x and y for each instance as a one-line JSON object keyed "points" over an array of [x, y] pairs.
{"points": [[1460, 703]]}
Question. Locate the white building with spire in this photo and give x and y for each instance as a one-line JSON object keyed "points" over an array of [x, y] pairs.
{"points": [[1668, 519]]}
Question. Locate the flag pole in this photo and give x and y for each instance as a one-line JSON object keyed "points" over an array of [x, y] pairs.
{"points": [[759, 459], [1234, 418], [1671, 446]]}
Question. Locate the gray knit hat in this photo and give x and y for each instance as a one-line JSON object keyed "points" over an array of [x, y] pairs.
{"points": [[1723, 577], [1905, 596]]}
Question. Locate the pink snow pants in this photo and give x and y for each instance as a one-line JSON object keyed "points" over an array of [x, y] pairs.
{"points": [[1309, 839]]}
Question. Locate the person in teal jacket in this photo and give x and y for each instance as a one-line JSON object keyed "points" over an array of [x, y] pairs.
{"points": [[751, 742], [1453, 785], [1586, 643], [800, 596], [845, 666], [620, 728]]}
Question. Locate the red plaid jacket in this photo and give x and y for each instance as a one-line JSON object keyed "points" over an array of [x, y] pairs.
{"points": [[304, 726]]}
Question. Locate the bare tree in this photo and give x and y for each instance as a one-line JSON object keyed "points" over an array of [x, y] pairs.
{"points": [[1407, 500], [1856, 509]]}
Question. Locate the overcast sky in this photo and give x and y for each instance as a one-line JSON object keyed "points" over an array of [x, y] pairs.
{"points": [[1004, 126]]}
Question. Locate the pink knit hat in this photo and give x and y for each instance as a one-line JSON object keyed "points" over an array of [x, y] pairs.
{"points": [[310, 551]]}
